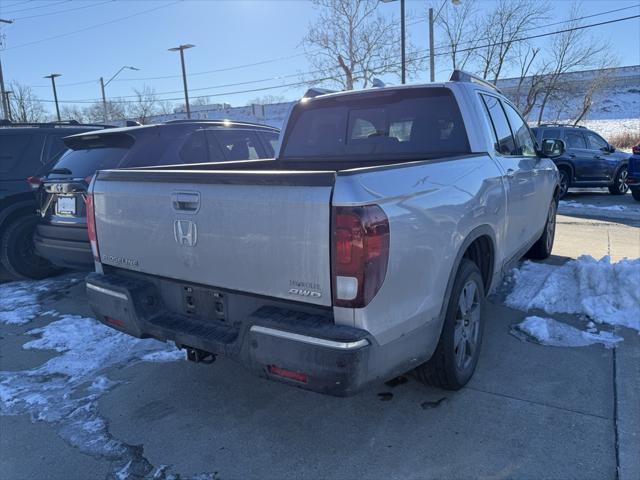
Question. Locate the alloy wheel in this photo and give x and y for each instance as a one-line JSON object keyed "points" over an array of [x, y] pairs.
{"points": [[467, 326]]}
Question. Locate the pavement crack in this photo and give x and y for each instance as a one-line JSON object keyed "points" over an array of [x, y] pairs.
{"points": [[542, 404], [615, 412]]}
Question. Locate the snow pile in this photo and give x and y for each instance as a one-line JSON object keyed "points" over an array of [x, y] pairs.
{"points": [[604, 291], [19, 301], [614, 208], [547, 331], [65, 390]]}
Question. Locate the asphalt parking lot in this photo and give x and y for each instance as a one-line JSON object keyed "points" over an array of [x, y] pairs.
{"points": [[531, 411]]}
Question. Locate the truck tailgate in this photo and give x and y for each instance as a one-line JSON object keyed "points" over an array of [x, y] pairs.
{"points": [[266, 233]]}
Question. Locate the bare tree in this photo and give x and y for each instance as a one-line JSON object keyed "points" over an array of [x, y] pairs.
{"points": [[351, 43], [25, 105], [569, 51], [145, 104], [460, 29], [502, 29], [266, 100], [73, 112], [601, 79]]}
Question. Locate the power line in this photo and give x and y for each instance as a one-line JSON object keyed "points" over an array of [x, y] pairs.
{"points": [[317, 80], [37, 6], [91, 5], [93, 26], [18, 3]]}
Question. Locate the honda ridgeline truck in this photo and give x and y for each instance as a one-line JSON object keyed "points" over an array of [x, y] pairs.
{"points": [[363, 250]]}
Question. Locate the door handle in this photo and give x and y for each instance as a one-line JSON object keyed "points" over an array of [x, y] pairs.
{"points": [[572, 155], [186, 201]]}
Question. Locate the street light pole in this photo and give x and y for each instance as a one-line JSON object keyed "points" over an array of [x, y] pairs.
{"points": [[5, 106], [104, 84], [181, 49], [53, 77]]}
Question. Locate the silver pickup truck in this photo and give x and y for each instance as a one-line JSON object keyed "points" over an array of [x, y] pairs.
{"points": [[365, 249]]}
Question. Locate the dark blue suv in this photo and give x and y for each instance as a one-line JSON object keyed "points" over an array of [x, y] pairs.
{"points": [[634, 173], [589, 160]]}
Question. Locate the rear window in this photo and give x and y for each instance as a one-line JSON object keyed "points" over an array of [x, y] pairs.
{"points": [[389, 125], [12, 149], [91, 153]]}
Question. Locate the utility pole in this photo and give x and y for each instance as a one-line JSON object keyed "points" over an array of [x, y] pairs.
{"points": [[432, 57], [53, 77], [104, 84], [9, 114], [402, 43], [181, 49], [5, 106]]}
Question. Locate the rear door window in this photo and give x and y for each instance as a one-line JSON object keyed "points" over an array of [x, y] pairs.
{"points": [[12, 148], [553, 133], [575, 139], [390, 125], [505, 143], [270, 142], [239, 144], [195, 148]]}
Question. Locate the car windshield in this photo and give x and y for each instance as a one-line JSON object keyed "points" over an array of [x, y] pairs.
{"points": [[392, 124]]}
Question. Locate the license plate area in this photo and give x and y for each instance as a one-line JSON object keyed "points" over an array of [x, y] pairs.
{"points": [[66, 205], [204, 303]]}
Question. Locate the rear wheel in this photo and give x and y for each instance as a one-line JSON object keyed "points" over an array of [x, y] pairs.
{"points": [[544, 245], [17, 251], [456, 355], [636, 194], [565, 182], [620, 186]]}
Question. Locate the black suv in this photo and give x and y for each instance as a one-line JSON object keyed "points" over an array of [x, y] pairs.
{"points": [[26, 149], [589, 160], [61, 236]]}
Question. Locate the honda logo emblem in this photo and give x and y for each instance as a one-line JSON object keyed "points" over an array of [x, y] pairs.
{"points": [[185, 232]]}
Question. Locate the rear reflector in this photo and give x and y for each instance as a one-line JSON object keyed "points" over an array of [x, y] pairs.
{"points": [[115, 322], [34, 182], [91, 226], [360, 254], [290, 374]]}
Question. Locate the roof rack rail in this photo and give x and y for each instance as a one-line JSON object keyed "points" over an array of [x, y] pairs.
{"points": [[462, 76], [316, 92], [218, 120], [560, 125]]}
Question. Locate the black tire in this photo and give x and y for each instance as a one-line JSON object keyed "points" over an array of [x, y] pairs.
{"points": [[564, 182], [620, 186], [17, 251], [544, 245], [636, 194], [451, 365]]}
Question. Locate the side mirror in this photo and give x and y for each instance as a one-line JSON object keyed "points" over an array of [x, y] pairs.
{"points": [[553, 147]]}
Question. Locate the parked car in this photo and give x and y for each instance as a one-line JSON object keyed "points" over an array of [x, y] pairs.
{"points": [[61, 236], [589, 160], [633, 179], [26, 150], [364, 250]]}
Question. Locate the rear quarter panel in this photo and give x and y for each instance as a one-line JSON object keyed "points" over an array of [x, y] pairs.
{"points": [[432, 208]]}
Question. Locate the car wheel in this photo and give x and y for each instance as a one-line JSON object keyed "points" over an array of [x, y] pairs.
{"points": [[620, 186], [458, 350], [544, 245], [564, 183], [636, 194], [17, 251]]}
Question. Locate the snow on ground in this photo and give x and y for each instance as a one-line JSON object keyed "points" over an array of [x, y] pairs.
{"points": [[19, 301], [630, 211], [547, 331], [603, 291]]}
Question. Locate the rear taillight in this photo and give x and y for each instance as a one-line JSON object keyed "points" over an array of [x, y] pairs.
{"points": [[360, 254], [91, 226], [636, 150], [34, 182]]}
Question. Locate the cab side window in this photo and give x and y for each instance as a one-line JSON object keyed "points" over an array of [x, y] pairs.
{"points": [[195, 149], [505, 143], [524, 141]]}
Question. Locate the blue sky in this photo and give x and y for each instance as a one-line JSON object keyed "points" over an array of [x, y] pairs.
{"points": [[226, 34]]}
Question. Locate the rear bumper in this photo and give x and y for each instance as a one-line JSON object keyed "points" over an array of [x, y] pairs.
{"points": [[64, 246], [333, 359]]}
